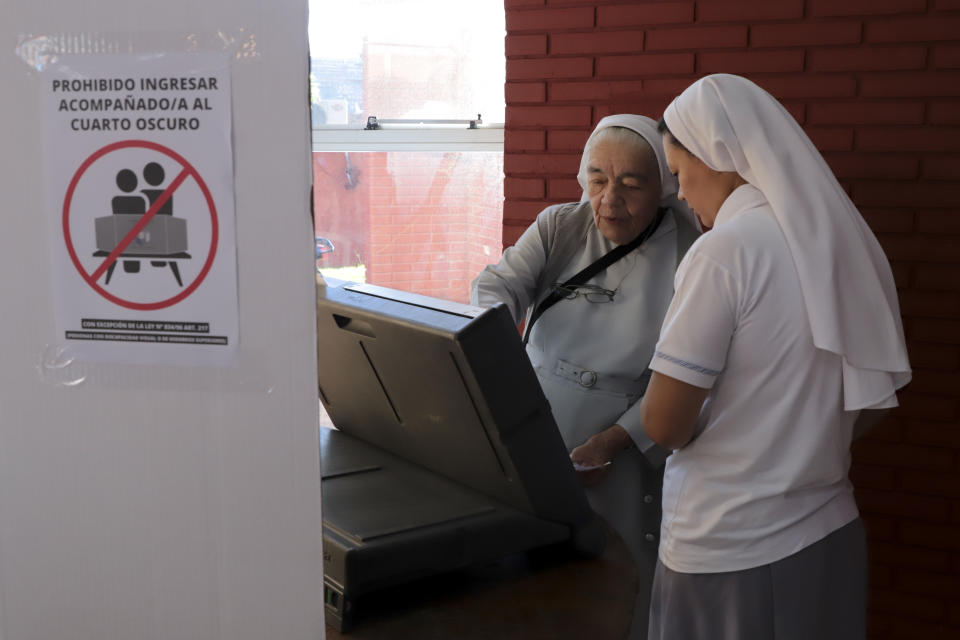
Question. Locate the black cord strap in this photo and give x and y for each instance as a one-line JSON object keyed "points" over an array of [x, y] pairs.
{"points": [[593, 269]]}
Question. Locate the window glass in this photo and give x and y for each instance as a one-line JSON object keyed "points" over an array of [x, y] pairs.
{"points": [[420, 221], [420, 213], [406, 59]]}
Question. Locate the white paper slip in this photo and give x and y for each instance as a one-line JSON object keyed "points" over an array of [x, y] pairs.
{"points": [[579, 466]]}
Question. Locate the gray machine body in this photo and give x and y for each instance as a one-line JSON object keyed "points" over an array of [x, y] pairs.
{"points": [[445, 454]]}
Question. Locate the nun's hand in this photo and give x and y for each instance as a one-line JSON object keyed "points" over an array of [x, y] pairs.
{"points": [[592, 459]]}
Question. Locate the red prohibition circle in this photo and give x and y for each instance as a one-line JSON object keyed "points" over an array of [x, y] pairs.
{"points": [[143, 306]]}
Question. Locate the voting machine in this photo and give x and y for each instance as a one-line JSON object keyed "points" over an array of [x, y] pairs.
{"points": [[445, 452]]}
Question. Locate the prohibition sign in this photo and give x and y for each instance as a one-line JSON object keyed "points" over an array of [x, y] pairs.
{"points": [[187, 172]]}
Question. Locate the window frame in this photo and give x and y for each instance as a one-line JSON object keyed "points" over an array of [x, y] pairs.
{"points": [[333, 138]]}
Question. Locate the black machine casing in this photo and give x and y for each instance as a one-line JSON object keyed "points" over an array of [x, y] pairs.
{"points": [[446, 453]]}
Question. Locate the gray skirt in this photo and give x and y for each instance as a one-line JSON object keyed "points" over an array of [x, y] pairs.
{"points": [[819, 592]]}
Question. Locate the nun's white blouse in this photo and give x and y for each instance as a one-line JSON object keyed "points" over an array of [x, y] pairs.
{"points": [[766, 473]]}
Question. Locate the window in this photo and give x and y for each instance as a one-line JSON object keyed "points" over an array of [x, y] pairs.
{"points": [[415, 204]]}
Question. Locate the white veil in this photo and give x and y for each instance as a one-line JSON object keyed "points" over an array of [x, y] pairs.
{"points": [[733, 125], [646, 128]]}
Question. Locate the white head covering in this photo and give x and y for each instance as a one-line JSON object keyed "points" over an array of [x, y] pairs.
{"points": [[731, 124], [646, 128]]}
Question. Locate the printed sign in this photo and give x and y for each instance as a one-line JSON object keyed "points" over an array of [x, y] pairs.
{"points": [[139, 174]]}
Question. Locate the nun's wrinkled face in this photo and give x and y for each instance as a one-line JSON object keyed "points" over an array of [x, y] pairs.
{"points": [[703, 189], [623, 184]]}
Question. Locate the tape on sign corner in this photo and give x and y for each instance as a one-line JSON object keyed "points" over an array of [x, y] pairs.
{"points": [[40, 51], [66, 365]]}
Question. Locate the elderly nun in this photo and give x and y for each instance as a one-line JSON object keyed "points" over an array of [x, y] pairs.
{"points": [[594, 279], [782, 343]]}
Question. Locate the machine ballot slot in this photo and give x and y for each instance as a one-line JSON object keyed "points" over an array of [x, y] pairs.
{"points": [[355, 326]]}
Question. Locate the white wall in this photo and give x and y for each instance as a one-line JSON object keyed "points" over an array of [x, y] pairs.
{"points": [[162, 502]]}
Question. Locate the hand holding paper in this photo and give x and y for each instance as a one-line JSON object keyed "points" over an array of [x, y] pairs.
{"points": [[593, 458]]}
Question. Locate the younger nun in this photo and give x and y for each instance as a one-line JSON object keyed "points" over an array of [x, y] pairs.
{"points": [[782, 343]]}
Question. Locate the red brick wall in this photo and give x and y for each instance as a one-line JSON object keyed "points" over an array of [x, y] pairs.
{"points": [[876, 85], [434, 220], [341, 201], [426, 222]]}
